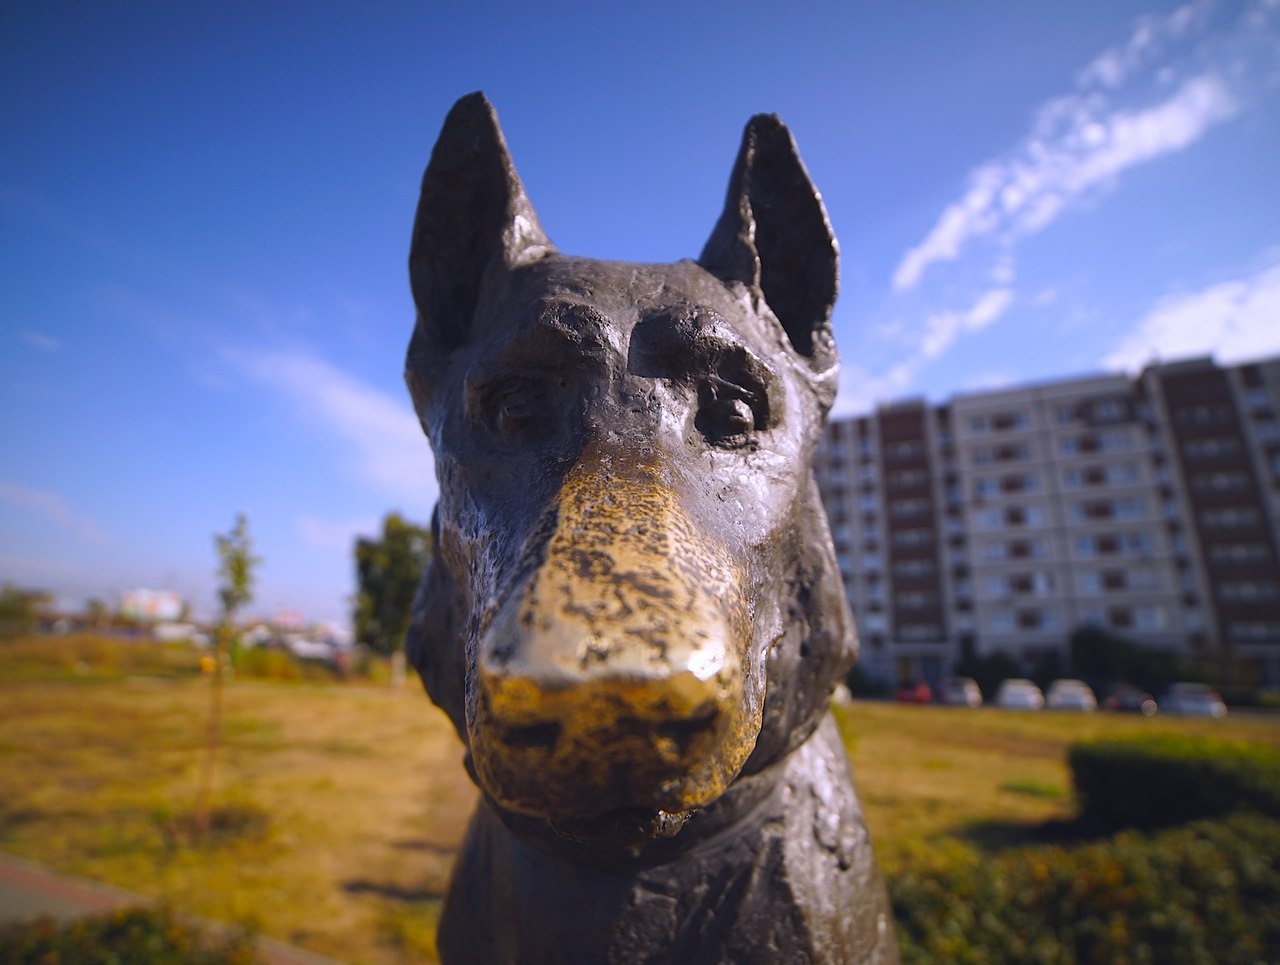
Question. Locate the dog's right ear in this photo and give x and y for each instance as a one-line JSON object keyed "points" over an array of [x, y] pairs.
{"points": [[473, 217]]}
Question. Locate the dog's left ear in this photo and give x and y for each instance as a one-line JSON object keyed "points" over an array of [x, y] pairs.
{"points": [[473, 218], [774, 237]]}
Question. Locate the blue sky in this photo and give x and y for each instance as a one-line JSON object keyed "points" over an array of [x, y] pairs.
{"points": [[205, 212]]}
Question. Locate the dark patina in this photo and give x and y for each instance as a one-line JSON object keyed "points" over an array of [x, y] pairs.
{"points": [[634, 617]]}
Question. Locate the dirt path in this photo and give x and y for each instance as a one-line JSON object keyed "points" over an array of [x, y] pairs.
{"points": [[28, 890]]}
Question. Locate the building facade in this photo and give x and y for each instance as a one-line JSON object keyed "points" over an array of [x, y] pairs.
{"points": [[1002, 521]]}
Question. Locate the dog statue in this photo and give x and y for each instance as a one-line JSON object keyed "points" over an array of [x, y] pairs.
{"points": [[633, 616]]}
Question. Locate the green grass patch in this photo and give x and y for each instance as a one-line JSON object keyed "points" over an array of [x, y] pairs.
{"points": [[1033, 786], [130, 936]]}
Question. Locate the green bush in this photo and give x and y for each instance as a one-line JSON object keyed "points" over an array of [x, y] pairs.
{"points": [[273, 663], [1208, 892], [130, 936], [1153, 782]]}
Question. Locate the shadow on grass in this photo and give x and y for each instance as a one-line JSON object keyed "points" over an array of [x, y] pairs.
{"points": [[394, 890], [427, 847], [227, 824], [993, 837]]}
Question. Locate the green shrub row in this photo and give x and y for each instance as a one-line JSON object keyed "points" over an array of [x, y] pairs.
{"points": [[1205, 893], [1159, 781], [129, 936]]}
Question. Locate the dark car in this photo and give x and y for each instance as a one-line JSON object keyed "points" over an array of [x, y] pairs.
{"points": [[913, 692], [1131, 700]]}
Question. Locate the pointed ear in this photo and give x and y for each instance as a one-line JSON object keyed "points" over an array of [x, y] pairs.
{"points": [[775, 238], [473, 216]]}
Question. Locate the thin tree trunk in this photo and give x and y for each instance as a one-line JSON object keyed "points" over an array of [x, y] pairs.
{"points": [[213, 735]]}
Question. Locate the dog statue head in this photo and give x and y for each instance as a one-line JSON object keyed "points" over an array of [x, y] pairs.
{"points": [[633, 599]]}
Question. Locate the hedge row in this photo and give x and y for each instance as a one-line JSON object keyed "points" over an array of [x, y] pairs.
{"points": [[1207, 892], [130, 936], [1155, 782]]}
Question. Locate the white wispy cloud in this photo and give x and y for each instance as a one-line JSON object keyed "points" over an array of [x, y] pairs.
{"points": [[943, 328], [39, 340], [54, 508], [1232, 320], [861, 389], [329, 534], [380, 432], [1080, 143]]}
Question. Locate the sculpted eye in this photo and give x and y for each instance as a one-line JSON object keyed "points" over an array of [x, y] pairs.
{"points": [[517, 407], [727, 414]]}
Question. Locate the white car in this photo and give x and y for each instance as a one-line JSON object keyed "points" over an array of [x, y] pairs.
{"points": [[1019, 694], [959, 692], [1070, 695], [1198, 700]]}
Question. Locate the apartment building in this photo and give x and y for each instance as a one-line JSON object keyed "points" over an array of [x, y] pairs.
{"points": [[1003, 520]]}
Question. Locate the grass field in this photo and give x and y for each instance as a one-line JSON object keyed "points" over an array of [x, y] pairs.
{"points": [[342, 804]]}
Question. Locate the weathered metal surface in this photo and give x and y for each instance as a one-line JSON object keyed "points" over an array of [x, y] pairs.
{"points": [[634, 617]]}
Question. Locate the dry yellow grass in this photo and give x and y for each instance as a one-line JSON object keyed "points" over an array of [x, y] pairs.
{"points": [[359, 791], [352, 798]]}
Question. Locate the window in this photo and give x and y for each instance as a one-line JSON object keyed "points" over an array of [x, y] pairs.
{"points": [[1036, 619], [1257, 398], [985, 486], [1148, 618], [899, 508], [1109, 410], [1238, 553], [1200, 415], [1142, 578], [913, 569], [1122, 472], [1254, 630], [919, 631], [907, 478], [904, 450], [1230, 517], [1008, 452], [989, 519], [912, 537], [1001, 621], [994, 586], [1129, 508], [1243, 590], [1208, 448]]}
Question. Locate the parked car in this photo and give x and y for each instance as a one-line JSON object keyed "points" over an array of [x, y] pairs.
{"points": [[1070, 695], [1131, 700], [1199, 700], [913, 692], [1019, 694], [959, 692]]}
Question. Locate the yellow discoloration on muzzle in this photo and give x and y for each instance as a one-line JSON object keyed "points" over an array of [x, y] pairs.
{"points": [[615, 678]]}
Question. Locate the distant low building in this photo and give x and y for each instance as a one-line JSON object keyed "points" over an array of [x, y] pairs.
{"points": [[152, 605]]}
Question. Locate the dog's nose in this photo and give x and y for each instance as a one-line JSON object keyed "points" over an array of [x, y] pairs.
{"points": [[614, 677]]}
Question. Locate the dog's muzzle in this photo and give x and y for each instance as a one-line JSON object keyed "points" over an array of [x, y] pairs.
{"points": [[613, 678]]}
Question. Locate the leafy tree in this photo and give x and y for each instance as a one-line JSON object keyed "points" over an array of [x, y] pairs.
{"points": [[96, 613], [236, 564], [1101, 656], [20, 609], [387, 573]]}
